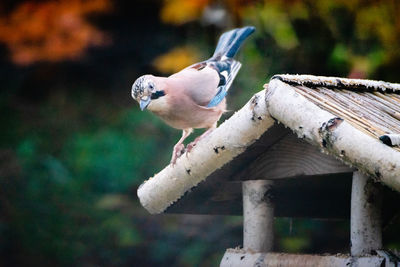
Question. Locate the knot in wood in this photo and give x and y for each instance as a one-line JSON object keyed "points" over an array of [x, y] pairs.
{"points": [[326, 130], [263, 196], [332, 124]]}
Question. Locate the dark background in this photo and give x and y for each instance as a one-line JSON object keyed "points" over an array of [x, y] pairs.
{"points": [[74, 145]]}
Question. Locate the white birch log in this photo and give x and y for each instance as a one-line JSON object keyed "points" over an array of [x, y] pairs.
{"points": [[258, 215], [332, 134], [212, 152], [336, 82], [243, 258], [365, 219]]}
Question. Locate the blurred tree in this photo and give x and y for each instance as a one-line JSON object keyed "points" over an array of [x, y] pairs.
{"points": [[182, 11], [51, 31], [176, 59]]}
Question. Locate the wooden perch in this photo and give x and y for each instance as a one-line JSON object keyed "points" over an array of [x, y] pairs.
{"points": [[333, 134], [226, 142]]}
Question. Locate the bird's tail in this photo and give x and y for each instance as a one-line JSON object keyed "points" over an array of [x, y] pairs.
{"points": [[229, 42]]}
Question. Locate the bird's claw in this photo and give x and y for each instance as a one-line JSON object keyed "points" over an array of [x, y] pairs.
{"points": [[179, 149], [190, 146]]}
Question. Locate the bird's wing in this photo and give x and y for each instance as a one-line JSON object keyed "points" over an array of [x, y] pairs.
{"points": [[200, 83], [208, 82], [226, 78]]}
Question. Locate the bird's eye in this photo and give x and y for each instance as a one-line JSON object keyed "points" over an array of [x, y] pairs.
{"points": [[151, 86]]}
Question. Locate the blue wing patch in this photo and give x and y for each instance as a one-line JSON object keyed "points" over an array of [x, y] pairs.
{"points": [[223, 90], [218, 97]]}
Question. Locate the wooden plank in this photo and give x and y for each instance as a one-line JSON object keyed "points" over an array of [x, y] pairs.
{"points": [[292, 157], [267, 140], [239, 257]]}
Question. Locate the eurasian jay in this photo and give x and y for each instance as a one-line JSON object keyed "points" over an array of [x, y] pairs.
{"points": [[195, 96]]}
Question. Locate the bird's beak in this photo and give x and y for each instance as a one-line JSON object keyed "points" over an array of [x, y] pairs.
{"points": [[144, 102]]}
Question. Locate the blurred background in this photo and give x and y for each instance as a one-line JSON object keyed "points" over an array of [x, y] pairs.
{"points": [[74, 146]]}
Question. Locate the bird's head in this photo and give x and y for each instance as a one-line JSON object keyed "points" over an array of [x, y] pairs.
{"points": [[144, 90]]}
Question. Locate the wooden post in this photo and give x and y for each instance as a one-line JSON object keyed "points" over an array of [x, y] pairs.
{"points": [[258, 215], [365, 224]]}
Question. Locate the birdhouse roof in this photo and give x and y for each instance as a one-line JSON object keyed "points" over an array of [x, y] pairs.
{"points": [[300, 126], [372, 107]]}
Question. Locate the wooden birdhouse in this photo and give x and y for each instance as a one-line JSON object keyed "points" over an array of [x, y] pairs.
{"points": [[305, 146]]}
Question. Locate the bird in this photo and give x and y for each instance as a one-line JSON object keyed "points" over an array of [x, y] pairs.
{"points": [[193, 98]]}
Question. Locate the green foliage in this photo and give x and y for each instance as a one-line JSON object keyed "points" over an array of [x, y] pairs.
{"points": [[194, 254], [295, 244]]}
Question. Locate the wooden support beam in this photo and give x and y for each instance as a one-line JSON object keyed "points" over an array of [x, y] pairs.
{"points": [[366, 223], [239, 258], [258, 215]]}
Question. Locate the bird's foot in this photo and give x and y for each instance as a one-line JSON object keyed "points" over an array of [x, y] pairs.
{"points": [[179, 149], [190, 146]]}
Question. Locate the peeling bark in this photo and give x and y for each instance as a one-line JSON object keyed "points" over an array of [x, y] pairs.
{"points": [[335, 82]]}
